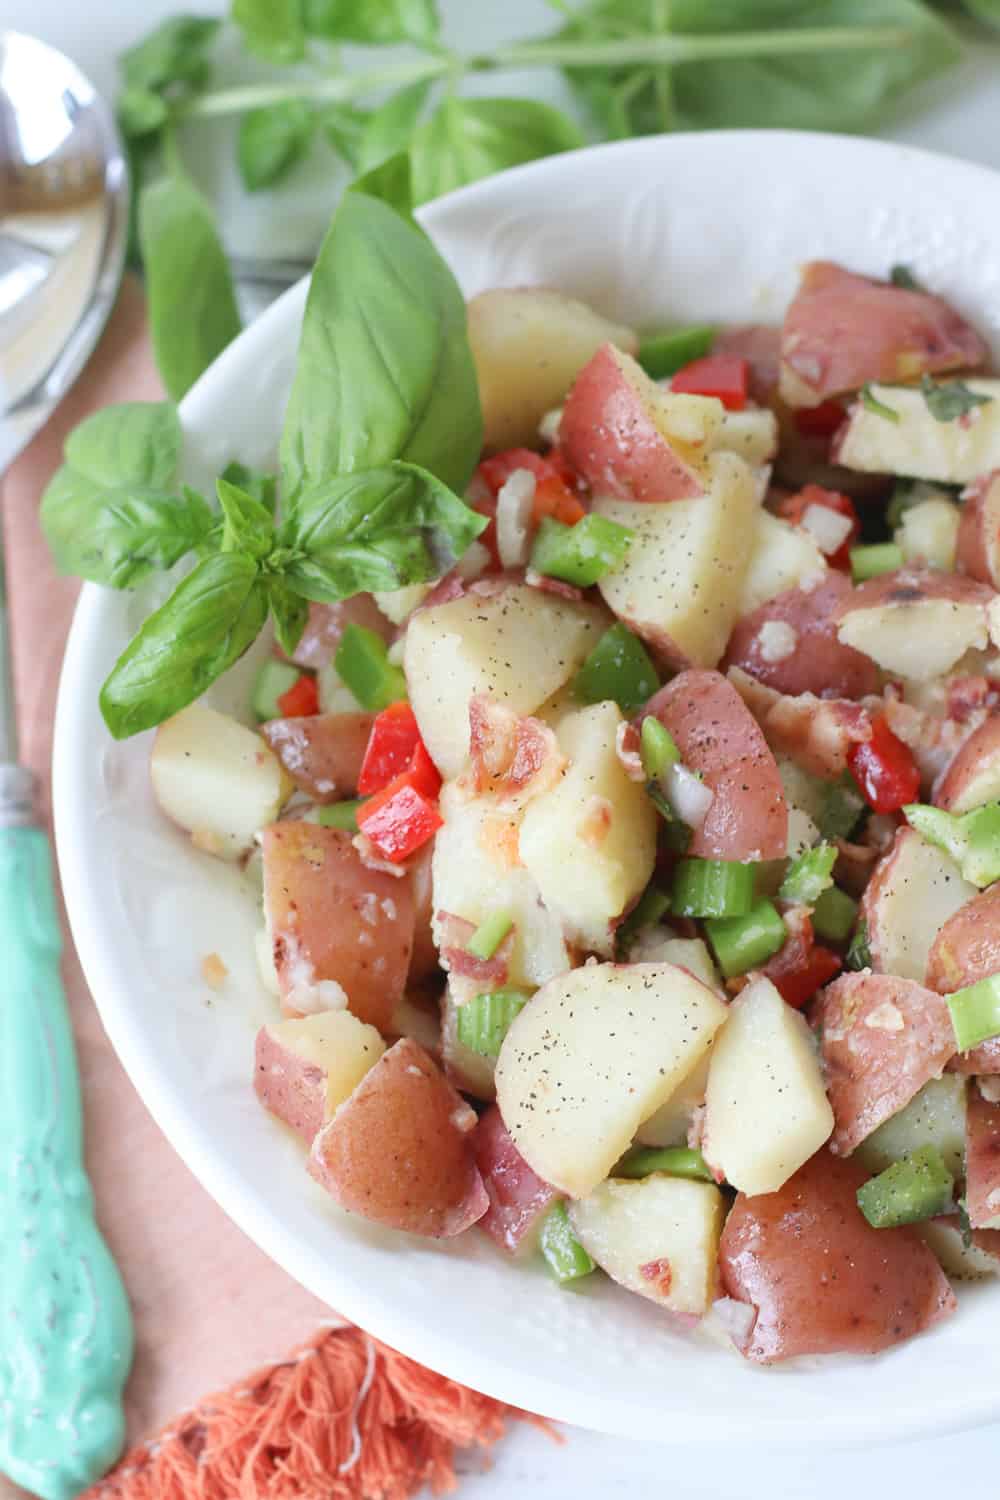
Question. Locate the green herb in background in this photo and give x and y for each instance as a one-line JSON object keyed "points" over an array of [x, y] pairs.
{"points": [[637, 66]]}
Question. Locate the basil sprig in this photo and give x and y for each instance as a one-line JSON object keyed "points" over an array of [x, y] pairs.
{"points": [[383, 426]]}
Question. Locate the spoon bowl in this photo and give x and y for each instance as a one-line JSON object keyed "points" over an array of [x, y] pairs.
{"points": [[63, 230]]}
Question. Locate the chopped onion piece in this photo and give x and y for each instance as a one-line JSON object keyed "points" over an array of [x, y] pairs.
{"points": [[548, 427], [689, 797], [515, 504], [828, 529]]}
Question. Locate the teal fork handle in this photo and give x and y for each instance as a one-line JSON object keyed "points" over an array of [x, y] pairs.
{"points": [[65, 1325]]}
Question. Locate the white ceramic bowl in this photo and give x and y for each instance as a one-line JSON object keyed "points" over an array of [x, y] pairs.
{"points": [[686, 228]]}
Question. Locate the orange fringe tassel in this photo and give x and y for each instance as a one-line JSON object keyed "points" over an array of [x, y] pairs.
{"points": [[344, 1418]]}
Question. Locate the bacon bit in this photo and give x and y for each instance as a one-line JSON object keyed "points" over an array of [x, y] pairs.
{"points": [[800, 967], [696, 1133], [969, 695], [453, 936], [451, 586], [547, 585], [214, 971], [595, 825], [660, 1272], [817, 733], [501, 839], [627, 743], [510, 754], [371, 860], [934, 741]]}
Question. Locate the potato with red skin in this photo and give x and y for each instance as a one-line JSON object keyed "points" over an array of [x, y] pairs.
{"points": [[322, 753], [331, 918], [913, 891], [304, 1070], [973, 775], [327, 623], [842, 330], [719, 738], [424, 955], [967, 949], [817, 662], [818, 734], [978, 547], [881, 1040], [400, 1150], [821, 1279], [982, 1161], [612, 434], [916, 622], [519, 1199]]}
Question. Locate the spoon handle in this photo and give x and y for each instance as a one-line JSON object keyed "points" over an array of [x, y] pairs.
{"points": [[65, 1325]]}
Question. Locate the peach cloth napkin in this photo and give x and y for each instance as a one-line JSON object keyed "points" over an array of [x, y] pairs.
{"points": [[208, 1304]]}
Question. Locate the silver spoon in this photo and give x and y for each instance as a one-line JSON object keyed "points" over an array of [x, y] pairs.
{"points": [[65, 1326]]}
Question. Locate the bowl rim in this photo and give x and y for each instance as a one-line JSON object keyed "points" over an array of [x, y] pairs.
{"points": [[404, 1327]]}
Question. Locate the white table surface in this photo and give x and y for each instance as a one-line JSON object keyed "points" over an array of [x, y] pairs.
{"points": [[961, 116]]}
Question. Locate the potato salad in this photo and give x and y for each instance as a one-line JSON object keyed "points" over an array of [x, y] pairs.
{"points": [[631, 875]]}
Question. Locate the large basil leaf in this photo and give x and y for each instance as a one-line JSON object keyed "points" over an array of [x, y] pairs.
{"points": [[390, 182], [192, 304], [384, 368], [825, 89], [271, 140], [466, 139], [371, 21], [117, 537], [173, 55], [272, 28], [379, 529], [135, 442], [204, 627]]}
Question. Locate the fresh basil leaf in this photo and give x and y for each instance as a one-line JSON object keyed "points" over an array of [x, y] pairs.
{"points": [[344, 126], [135, 442], [271, 28], [192, 304], [822, 90], [118, 537], [466, 139], [878, 408], [903, 277], [208, 622], [290, 613], [140, 112], [390, 182], [248, 526], [380, 529], [263, 487], [271, 140], [948, 402], [384, 368], [986, 11], [373, 21], [173, 55], [389, 128]]}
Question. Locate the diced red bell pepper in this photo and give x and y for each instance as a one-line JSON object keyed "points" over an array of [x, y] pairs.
{"points": [[424, 774], [884, 769], [553, 495], [820, 421], [725, 376], [793, 507], [798, 985], [301, 699], [399, 819], [393, 739]]}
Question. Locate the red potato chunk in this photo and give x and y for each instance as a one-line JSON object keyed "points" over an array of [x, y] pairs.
{"points": [[973, 775], [400, 1150], [842, 330], [966, 950], [916, 623], [881, 1040], [322, 753], [612, 434], [804, 655], [335, 923], [982, 1161], [304, 1070], [977, 550], [821, 1279], [760, 345], [518, 1197], [718, 737], [816, 733], [327, 623]]}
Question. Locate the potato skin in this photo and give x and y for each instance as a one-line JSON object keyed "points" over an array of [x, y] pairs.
{"points": [[982, 1161], [518, 1196], [822, 1280], [322, 753], [289, 1086], [978, 547], [966, 950], [977, 759], [399, 1151], [882, 1039], [819, 663], [718, 736], [333, 918]]}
